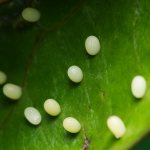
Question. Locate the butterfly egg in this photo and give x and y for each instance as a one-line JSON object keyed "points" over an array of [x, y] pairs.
{"points": [[92, 45], [3, 77], [12, 91], [75, 74], [71, 125], [52, 107], [32, 115], [116, 126], [138, 86], [31, 14]]}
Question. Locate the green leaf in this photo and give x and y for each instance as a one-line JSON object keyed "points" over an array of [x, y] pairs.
{"points": [[37, 58]]}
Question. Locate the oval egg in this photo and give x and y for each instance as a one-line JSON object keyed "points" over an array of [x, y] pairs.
{"points": [[75, 74], [71, 125], [116, 126], [138, 86], [12, 91], [52, 107], [92, 45], [32, 115]]}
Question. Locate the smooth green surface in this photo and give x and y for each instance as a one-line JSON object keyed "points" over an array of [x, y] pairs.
{"points": [[38, 57]]}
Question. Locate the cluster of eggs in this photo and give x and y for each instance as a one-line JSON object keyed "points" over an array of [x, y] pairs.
{"points": [[75, 74], [51, 106]]}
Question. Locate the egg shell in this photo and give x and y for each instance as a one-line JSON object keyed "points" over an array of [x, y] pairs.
{"points": [[71, 125], [52, 107], [32, 115]]}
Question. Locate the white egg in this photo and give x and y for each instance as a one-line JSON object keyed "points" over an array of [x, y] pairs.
{"points": [[138, 86], [12, 91], [52, 107], [92, 45], [31, 14], [71, 125], [116, 126], [32, 115], [75, 74], [3, 77]]}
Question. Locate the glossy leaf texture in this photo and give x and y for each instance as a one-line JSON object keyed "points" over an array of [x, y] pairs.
{"points": [[37, 57]]}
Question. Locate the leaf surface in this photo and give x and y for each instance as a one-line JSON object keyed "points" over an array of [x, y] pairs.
{"points": [[37, 58]]}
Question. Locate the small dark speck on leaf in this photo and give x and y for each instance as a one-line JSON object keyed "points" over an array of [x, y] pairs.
{"points": [[86, 144], [86, 141], [103, 92]]}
